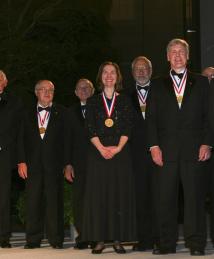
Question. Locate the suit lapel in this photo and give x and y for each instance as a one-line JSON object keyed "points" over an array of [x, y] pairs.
{"points": [[136, 100], [79, 113], [33, 118], [188, 89], [170, 89], [52, 119]]}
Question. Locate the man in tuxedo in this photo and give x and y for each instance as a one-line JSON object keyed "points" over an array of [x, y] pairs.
{"points": [[41, 156], [10, 111], [209, 73], [78, 142], [179, 141], [142, 164]]}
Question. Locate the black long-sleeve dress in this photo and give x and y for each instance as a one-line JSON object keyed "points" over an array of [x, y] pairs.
{"points": [[109, 211]]}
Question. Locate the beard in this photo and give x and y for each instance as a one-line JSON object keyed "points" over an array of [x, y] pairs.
{"points": [[142, 80]]}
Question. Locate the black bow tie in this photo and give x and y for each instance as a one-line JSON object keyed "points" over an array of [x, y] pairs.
{"points": [[180, 75], [42, 109], [146, 88]]}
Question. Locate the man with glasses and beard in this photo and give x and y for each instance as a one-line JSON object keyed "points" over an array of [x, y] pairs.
{"points": [[142, 163]]}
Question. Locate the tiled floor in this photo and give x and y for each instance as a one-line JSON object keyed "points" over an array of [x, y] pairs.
{"points": [[17, 252]]}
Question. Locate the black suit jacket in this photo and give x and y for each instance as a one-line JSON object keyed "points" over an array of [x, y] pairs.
{"points": [[211, 110], [47, 153], [77, 139], [138, 139], [10, 114], [178, 132]]}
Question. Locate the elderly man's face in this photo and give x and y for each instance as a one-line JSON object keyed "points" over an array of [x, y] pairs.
{"points": [[177, 56], [3, 83], [83, 90], [141, 72], [45, 93]]}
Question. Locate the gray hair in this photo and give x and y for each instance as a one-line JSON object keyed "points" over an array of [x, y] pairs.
{"points": [[176, 42], [40, 82], [145, 59], [87, 81]]}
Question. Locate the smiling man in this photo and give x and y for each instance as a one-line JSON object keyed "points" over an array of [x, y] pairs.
{"points": [[142, 164], [41, 161], [179, 139]]}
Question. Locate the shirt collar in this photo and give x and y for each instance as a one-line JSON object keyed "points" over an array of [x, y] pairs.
{"points": [[39, 105]]}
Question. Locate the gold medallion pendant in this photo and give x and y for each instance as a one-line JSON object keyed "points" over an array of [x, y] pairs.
{"points": [[109, 123], [179, 98], [42, 130], [143, 108]]}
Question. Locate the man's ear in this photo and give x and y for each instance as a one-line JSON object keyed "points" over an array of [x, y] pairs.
{"points": [[5, 83], [167, 55]]}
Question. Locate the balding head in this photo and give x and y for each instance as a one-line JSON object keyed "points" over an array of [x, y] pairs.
{"points": [[44, 90], [84, 89]]}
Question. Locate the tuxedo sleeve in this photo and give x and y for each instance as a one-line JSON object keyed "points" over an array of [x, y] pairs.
{"points": [[90, 118], [68, 140], [208, 93], [20, 146], [8, 131]]}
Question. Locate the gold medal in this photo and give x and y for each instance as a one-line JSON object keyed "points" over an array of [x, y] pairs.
{"points": [[179, 98], [109, 123], [143, 108], [42, 130]]}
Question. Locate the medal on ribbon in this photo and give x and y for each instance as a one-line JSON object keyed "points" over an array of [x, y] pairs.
{"points": [[143, 108], [142, 97], [42, 130], [109, 109], [179, 98], [42, 121], [179, 87]]}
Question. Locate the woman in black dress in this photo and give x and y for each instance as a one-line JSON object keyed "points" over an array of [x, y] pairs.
{"points": [[109, 213]]}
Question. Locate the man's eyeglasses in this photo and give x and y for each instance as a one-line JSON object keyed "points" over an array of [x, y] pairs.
{"points": [[43, 90]]}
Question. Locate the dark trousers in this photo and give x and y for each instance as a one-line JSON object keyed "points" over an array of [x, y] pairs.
{"points": [[210, 195], [5, 191], [44, 207], [191, 174]]}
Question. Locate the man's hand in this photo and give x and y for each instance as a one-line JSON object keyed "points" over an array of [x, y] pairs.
{"points": [[69, 173], [156, 154], [204, 153], [22, 169]]}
